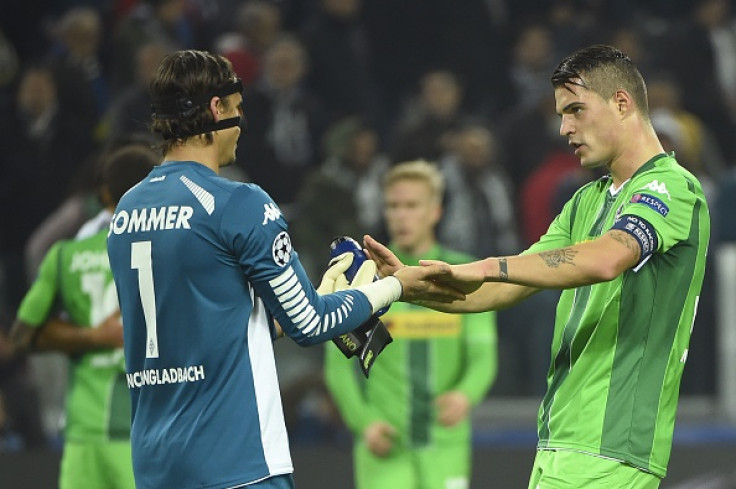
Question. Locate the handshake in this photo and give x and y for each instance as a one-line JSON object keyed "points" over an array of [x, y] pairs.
{"points": [[348, 268]]}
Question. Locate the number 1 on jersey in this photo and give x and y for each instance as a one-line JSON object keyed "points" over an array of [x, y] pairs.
{"points": [[140, 259]]}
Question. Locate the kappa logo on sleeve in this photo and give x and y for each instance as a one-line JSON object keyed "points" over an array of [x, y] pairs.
{"points": [[660, 188], [652, 202], [281, 249], [270, 213]]}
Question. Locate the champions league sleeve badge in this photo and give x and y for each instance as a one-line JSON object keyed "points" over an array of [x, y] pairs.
{"points": [[281, 249]]}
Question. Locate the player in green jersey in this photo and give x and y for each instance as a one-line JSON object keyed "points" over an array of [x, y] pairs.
{"points": [[72, 307], [629, 251], [411, 420]]}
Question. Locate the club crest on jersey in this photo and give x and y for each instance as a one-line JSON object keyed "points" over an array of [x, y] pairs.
{"points": [[270, 213], [281, 249]]}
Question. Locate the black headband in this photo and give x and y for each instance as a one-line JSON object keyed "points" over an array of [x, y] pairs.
{"points": [[182, 107]]}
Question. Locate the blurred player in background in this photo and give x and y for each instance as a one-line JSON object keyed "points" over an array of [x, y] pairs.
{"points": [[205, 271], [411, 418], [629, 250], [72, 307]]}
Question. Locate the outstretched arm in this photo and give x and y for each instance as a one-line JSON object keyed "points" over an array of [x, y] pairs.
{"points": [[499, 282], [485, 296], [591, 262]]}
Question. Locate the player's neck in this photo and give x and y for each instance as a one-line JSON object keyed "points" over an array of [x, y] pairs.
{"points": [[195, 151], [640, 148]]}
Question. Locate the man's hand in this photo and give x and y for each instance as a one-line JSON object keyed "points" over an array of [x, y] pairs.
{"points": [[453, 407], [386, 262], [379, 438], [425, 284], [418, 283], [466, 278]]}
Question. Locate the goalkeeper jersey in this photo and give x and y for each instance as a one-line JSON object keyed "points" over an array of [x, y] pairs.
{"points": [[203, 266], [620, 347], [75, 279], [432, 353]]}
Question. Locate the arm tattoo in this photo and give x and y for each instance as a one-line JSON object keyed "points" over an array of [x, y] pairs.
{"points": [[627, 240], [555, 258], [503, 270]]}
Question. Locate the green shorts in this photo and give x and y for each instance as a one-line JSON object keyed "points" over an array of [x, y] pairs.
{"points": [[567, 469], [421, 468], [101, 465]]}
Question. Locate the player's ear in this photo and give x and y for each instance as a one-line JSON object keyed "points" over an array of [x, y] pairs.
{"points": [[215, 107], [624, 102]]}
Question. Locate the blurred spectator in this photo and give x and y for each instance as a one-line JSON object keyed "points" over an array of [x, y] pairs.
{"points": [[75, 60], [351, 176], [537, 193], [692, 138], [479, 217], [257, 25], [43, 146], [529, 135], [533, 59], [283, 144], [718, 17], [24, 23], [130, 112], [570, 24], [471, 42], [673, 137], [341, 59], [701, 55], [411, 37], [401, 36], [431, 119], [9, 65], [164, 21], [642, 42]]}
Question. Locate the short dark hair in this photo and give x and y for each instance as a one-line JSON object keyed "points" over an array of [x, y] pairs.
{"points": [[603, 69], [125, 167], [189, 74]]}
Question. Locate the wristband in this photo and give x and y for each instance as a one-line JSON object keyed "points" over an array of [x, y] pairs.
{"points": [[382, 293]]}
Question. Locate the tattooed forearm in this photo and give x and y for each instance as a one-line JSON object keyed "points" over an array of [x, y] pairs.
{"points": [[555, 258], [626, 239]]}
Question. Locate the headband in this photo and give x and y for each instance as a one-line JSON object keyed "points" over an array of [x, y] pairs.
{"points": [[181, 107]]}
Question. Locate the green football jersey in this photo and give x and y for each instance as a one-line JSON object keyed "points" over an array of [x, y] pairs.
{"points": [[75, 280], [432, 353], [620, 347]]}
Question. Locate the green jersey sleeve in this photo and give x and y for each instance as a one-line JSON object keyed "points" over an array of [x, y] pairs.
{"points": [[665, 200], [40, 299]]}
